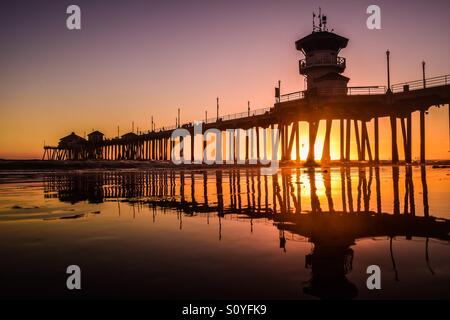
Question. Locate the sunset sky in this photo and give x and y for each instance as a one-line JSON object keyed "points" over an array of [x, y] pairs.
{"points": [[137, 59]]}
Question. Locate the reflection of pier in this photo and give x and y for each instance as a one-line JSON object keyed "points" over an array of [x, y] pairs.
{"points": [[243, 191], [277, 198]]}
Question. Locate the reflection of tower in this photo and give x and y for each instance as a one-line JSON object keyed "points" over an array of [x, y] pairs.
{"points": [[322, 66], [330, 261]]}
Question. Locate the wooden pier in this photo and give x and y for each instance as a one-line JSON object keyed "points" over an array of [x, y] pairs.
{"points": [[327, 98]]}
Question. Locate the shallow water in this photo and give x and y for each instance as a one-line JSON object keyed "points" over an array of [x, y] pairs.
{"points": [[232, 234]]}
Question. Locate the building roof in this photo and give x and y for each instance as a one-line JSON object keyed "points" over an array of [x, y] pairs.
{"points": [[72, 137], [72, 140], [331, 76], [322, 40], [95, 133], [129, 135]]}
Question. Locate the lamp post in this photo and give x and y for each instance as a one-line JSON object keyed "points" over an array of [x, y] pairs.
{"points": [[388, 71]]}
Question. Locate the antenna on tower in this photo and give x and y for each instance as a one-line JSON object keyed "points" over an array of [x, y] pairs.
{"points": [[320, 19], [314, 21], [322, 22]]}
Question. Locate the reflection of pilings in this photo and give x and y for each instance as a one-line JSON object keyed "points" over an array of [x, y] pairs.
{"points": [[394, 266], [344, 199], [395, 177], [423, 176], [409, 205], [349, 189], [299, 190], [368, 191], [427, 257], [327, 183], [168, 189], [315, 203], [378, 187], [219, 192]]}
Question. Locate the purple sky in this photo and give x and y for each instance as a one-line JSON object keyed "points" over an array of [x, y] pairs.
{"points": [[133, 59]]}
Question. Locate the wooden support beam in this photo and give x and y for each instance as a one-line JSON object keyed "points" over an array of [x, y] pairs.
{"points": [[394, 147], [367, 142], [286, 141], [409, 138], [326, 152], [341, 136], [422, 137], [167, 148], [297, 141], [358, 142], [347, 139], [364, 139], [313, 126], [282, 138], [247, 132], [257, 144], [291, 140], [377, 141], [171, 149], [405, 139]]}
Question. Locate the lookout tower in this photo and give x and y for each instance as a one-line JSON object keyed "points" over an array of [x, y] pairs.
{"points": [[322, 66]]}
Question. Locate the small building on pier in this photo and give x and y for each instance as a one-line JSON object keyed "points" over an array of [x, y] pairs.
{"points": [[71, 141], [95, 136]]}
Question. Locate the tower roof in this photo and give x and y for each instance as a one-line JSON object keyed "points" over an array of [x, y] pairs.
{"points": [[322, 40]]}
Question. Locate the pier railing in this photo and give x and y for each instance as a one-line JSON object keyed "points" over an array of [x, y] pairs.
{"points": [[227, 117], [366, 90], [246, 114], [305, 64], [292, 96], [421, 84]]}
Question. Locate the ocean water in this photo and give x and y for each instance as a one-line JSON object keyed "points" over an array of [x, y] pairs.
{"points": [[226, 234]]}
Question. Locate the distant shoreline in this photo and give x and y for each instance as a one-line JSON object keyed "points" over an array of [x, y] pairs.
{"points": [[9, 165]]}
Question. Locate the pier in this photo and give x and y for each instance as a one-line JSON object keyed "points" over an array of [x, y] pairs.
{"points": [[326, 98]]}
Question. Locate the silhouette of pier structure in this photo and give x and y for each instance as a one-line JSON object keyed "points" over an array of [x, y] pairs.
{"points": [[326, 98], [250, 197]]}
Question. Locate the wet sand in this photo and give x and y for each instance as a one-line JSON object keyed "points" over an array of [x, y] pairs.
{"points": [[226, 234]]}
